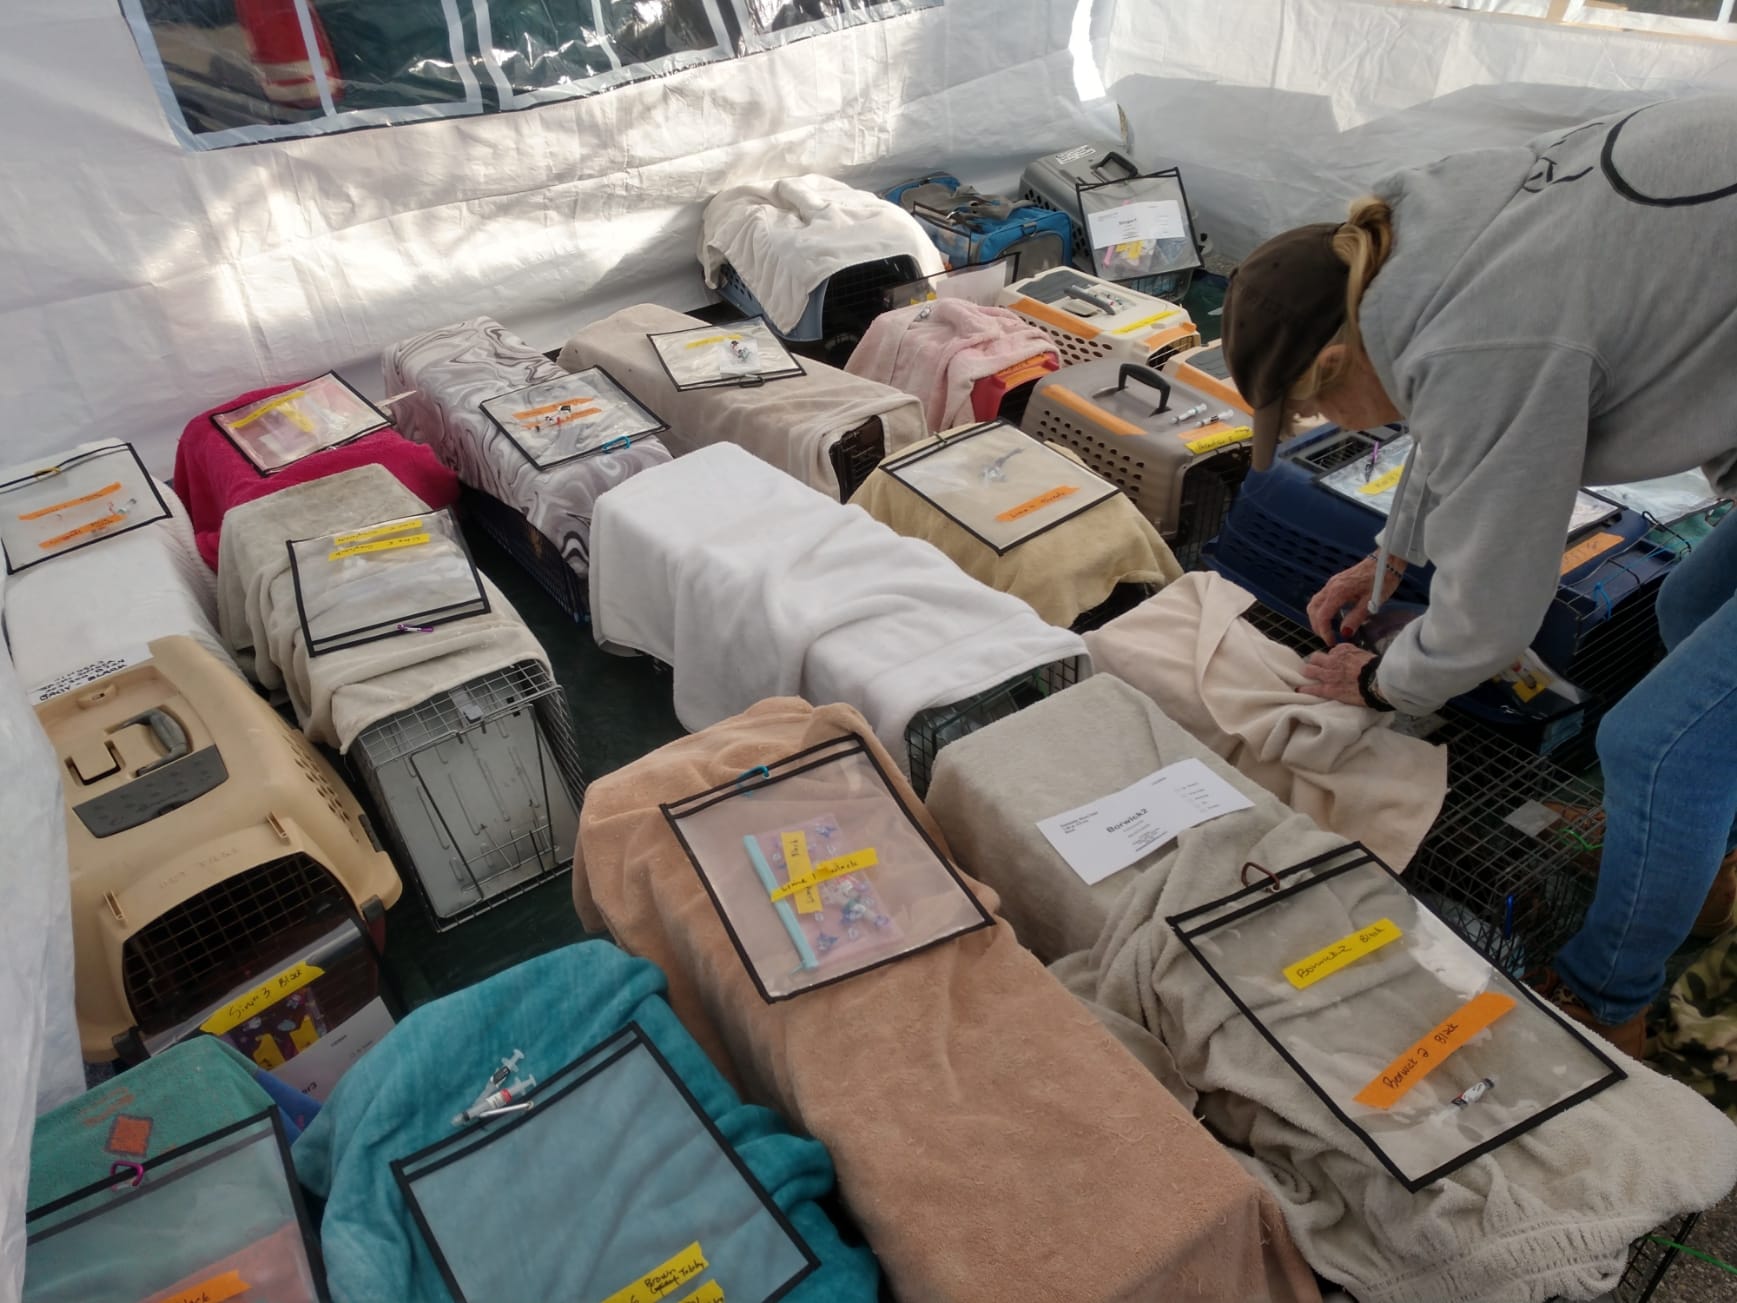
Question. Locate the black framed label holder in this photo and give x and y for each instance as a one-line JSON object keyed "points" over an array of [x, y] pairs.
{"points": [[1139, 225], [999, 484], [979, 283], [220, 1218], [280, 430], [639, 1198], [572, 416], [734, 354], [403, 576], [1413, 1039], [819, 871], [80, 500]]}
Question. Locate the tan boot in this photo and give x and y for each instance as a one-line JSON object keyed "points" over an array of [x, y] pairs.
{"points": [[1630, 1037], [1716, 916]]}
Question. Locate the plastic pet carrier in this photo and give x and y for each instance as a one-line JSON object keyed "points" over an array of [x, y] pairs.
{"points": [[314, 1003], [839, 309], [1090, 318], [970, 228], [932, 729], [1318, 509], [1128, 226], [201, 829], [478, 789], [1175, 446]]}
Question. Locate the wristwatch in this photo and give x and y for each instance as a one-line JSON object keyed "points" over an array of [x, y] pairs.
{"points": [[1366, 686]]}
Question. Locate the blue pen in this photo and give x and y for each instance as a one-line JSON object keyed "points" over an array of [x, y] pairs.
{"points": [[786, 914]]}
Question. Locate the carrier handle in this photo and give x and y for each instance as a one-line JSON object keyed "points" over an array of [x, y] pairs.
{"points": [[168, 732], [1146, 376], [1114, 157]]}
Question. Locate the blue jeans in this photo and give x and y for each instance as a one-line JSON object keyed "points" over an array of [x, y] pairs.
{"points": [[1669, 752]]}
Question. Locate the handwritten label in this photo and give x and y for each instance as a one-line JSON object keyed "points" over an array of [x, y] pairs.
{"points": [[1219, 439], [798, 865], [664, 1277], [95, 526], [532, 413], [103, 492], [1382, 482], [709, 340], [267, 1054], [827, 870], [378, 531], [1416, 1063], [215, 1290], [1038, 503], [379, 545], [261, 998], [1152, 320], [710, 1292], [1586, 549], [1346, 950], [269, 405]]}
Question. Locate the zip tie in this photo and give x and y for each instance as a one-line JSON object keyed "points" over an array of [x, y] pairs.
{"points": [[120, 1169], [1598, 592], [1720, 1263], [1250, 864], [743, 777]]}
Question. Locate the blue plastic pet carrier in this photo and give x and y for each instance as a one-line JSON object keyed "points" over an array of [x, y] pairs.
{"points": [[839, 309], [970, 228], [1289, 532]]}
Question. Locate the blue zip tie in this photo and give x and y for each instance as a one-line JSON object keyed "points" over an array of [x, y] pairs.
{"points": [[1598, 592], [743, 777], [625, 441], [1508, 918]]}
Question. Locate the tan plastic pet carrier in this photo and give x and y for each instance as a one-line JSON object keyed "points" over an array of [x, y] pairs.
{"points": [[1177, 443], [1090, 318], [200, 828]]}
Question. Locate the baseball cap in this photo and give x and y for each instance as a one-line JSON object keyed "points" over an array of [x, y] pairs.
{"points": [[1285, 303]]}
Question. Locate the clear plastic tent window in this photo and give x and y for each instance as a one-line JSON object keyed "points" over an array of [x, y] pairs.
{"points": [[570, 417], [1414, 1040], [999, 484], [397, 577], [74, 503], [1139, 226], [222, 1216], [280, 430], [739, 353], [614, 1184], [819, 871]]}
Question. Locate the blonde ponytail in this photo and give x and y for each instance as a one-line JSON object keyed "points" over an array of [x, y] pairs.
{"points": [[1363, 244]]}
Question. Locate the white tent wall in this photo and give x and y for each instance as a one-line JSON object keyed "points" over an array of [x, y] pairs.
{"points": [[144, 282], [1281, 111]]}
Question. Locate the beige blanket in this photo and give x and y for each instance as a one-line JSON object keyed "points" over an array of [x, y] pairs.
{"points": [[1061, 572], [991, 1139], [1236, 690]]}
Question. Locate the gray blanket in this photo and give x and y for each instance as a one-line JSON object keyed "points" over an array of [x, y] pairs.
{"points": [[1552, 1212], [338, 694]]}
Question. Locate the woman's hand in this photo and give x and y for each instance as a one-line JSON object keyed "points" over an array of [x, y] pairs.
{"points": [[1333, 674], [1350, 588]]}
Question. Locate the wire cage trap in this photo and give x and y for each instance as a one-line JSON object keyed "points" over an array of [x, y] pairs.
{"points": [[478, 789], [856, 454], [932, 729], [1649, 1261]]}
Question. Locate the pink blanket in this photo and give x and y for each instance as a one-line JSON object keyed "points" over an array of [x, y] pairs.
{"points": [[212, 476], [938, 351]]}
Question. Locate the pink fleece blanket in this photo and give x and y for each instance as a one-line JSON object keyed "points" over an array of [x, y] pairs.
{"points": [[938, 351], [212, 477]]}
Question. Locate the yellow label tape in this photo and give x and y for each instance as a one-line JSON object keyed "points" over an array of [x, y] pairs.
{"points": [[101, 493], [1038, 503], [1586, 549], [710, 339], [1382, 482], [261, 998], [269, 405], [1219, 439], [1416, 1063], [798, 865], [1346, 950], [215, 1290], [827, 870], [1152, 320], [379, 545], [710, 1292], [95, 527], [663, 1278], [379, 531]]}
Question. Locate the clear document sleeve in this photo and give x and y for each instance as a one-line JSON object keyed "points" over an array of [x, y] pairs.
{"points": [[736, 353], [570, 417], [279, 431], [84, 499]]}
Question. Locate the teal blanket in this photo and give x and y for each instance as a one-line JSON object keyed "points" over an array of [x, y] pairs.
{"points": [[402, 1096]]}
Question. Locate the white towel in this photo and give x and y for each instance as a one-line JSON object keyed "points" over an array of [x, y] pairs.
{"points": [[785, 237], [338, 694], [752, 586], [453, 370], [93, 611], [791, 423]]}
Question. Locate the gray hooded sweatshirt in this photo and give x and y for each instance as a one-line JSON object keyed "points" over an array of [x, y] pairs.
{"points": [[1553, 315]]}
